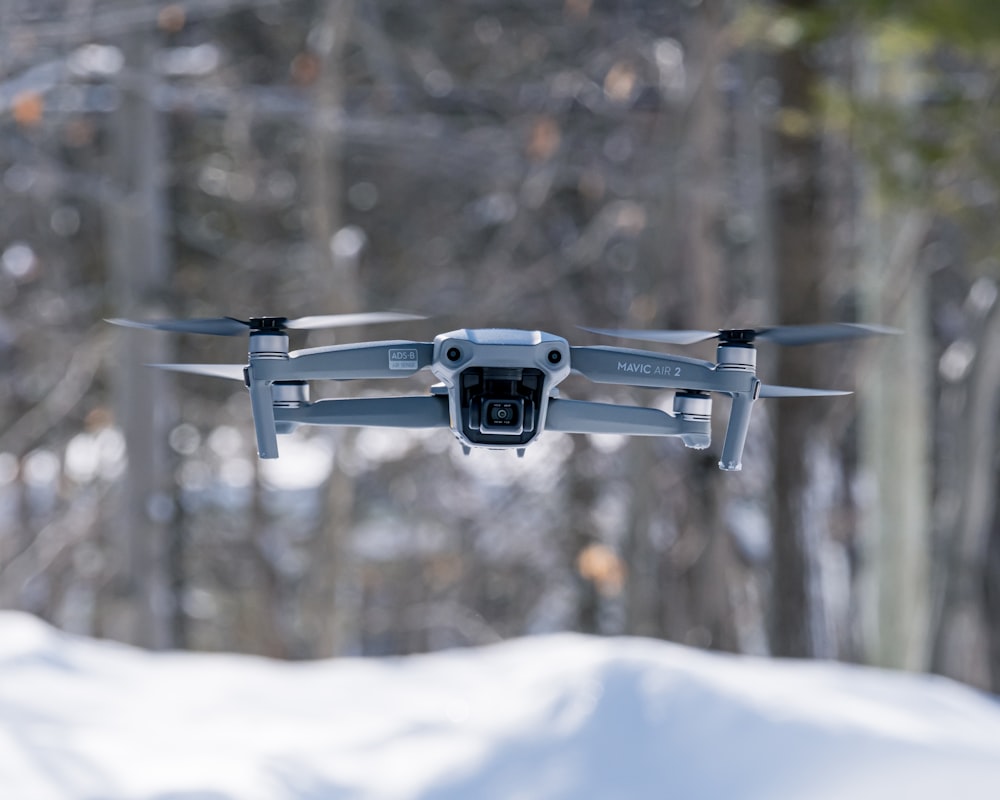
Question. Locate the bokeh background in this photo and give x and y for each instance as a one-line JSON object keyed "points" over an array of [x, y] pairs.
{"points": [[518, 164]]}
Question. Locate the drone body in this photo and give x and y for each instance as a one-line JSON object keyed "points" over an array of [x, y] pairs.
{"points": [[498, 387]]}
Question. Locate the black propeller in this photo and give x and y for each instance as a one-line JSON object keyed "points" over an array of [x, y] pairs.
{"points": [[233, 372], [231, 326], [791, 335], [767, 390]]}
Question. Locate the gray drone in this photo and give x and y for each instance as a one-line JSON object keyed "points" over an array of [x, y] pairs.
{"points": [[498, 386]]}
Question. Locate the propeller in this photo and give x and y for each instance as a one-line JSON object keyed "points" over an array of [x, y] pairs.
{"points": [[791, 335], [231, 326], [766, 390], [233, 372]]}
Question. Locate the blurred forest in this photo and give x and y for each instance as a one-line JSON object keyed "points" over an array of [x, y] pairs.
{"points": [[652, 163]]}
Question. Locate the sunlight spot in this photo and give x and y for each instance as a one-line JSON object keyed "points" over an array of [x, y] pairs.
{"points": [[304, 464], [41, 468]]}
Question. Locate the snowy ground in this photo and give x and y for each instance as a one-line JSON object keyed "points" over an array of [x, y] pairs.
{"points": [[561, 716]]}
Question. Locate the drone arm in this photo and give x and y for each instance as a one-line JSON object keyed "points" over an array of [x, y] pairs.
{"points": [[262, 405], [656, 370], [383, 412], [642, 368], [395, 359], [736, 430], [580, 416]]}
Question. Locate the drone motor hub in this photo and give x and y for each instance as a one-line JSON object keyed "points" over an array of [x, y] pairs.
{"points": [[268, 344], [744, 336], [736, 356], [693, 405], [267, 324], [290, 394]]}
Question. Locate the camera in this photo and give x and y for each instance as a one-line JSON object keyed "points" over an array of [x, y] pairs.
{"points": [[502, 416], [499, 404], [498, 383]]}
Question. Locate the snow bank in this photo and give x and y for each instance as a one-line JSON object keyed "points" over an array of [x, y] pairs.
{"points": [[562, 716]]}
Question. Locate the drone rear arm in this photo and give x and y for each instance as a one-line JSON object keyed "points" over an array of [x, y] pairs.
{"points": [[428, 411], [262, 406], [736, 431], [581, 416]]}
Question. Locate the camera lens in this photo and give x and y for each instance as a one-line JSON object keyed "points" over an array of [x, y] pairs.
{"points": [[502, 416], [453, 354], [500, 413], [554, 356]]}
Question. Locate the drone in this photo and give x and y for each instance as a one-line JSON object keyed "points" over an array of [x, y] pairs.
{"points": [[498, 386]]}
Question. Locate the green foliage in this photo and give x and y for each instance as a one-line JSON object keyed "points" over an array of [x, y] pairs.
{"points": [[968, 24], [911, 91]]}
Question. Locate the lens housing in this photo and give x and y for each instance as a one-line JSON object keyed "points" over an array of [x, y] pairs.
{"points": [[502, 415], [500, 405]]}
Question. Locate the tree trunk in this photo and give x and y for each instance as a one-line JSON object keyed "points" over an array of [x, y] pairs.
{"points": [[334, 586], [963, 632], [894, 586], [137, 606], [894, 573], [991, 591], [801, 252], [683, 592]]}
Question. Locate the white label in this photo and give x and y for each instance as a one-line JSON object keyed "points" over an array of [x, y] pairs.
{"points": [[645, 368], [403, 359]]}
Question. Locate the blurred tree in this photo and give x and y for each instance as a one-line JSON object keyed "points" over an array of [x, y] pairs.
{"points": [[894, 570], [920, 115], [137, 604], [337, 249], [802, 260]]}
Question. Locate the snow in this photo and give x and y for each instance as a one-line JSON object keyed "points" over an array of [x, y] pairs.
{"points": [[555, 716]]}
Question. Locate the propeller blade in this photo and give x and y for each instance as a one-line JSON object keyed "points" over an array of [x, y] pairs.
{"points": [[795, 391], [664, 337], [233, 372], [215, 326], [791, 335], [231, 326], [347, 320], [795, 335]]}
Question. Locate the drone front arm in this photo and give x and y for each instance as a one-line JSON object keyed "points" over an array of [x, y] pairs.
{"points": [[655, 370], [582, 416], [395, 359], [430, 411]]}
